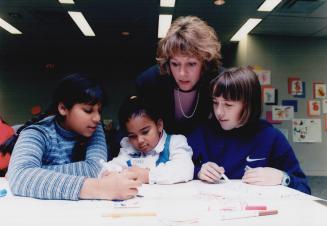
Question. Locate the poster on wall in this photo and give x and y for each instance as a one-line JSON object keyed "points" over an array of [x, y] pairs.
{"points": [[264, 76], [269, 95], [291, 84], [306, 130], [324, 106], [282, 112], [270, 120], [297, 88], [319, 90], [313, 107]]}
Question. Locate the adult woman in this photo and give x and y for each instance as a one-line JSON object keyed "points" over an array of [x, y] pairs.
{"points": [[188, 58]]}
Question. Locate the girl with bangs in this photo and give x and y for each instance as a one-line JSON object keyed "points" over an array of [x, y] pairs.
{"points": [[57, 155], [237, 143], [178, 87]]}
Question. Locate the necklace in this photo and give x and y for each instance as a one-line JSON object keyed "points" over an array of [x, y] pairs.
{"points": [[181, 107]]}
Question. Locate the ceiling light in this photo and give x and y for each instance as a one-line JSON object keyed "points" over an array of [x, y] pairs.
{"points": [[125, 33], [164, 24], [245, 29], [9, 28], [81, 22], [219, 2], [269, 5], [66, 1], [167, 3]]}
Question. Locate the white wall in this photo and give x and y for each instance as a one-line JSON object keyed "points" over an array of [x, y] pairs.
{"points": [[286, 57]]}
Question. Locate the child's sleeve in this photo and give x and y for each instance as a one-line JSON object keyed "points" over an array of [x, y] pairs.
{"points": [[27, 178], [118, 163], [283, 158], [96, 151], [179, 168]]}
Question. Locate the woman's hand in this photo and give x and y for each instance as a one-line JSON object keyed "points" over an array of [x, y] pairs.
{"points": [[263, 176], [211, 172]]}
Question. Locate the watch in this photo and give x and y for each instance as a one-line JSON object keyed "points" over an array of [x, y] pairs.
{"points": [[286, 180]]}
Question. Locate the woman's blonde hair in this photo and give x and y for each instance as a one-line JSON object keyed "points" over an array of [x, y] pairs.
{"points": [[189, 36]]}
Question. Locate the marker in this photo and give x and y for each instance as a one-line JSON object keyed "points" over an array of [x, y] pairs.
{"points": [[130, 214], [257, 207], [225, 178], [229, 215], [3, 192], [129, 163]]}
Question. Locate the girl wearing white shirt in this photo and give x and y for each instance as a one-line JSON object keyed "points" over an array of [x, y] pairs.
{"points": [[157, 157]]}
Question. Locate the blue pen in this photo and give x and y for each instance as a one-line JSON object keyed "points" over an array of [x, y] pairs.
{"points": [[3, 192], [129, 163]]}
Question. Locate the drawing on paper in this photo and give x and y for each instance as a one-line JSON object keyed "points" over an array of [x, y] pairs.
{"points": [[282, 112], [269, 95], [314, 107], [307, 130], [264, 76], [319, 90]]}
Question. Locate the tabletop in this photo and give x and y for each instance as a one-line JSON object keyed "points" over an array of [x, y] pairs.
{"points": [[193, 203]]}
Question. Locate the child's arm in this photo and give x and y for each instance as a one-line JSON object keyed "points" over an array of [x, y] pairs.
{"points": [[96, 150], [27, 178], [283, 160], [179, 168]]}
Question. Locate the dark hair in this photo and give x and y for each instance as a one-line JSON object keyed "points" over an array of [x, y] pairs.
{"points": [[240, 84], [134, 106], [76, 88], [70, 90]]}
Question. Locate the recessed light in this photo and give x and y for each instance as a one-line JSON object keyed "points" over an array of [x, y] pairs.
{"points": [[245, 29], [125, 33], [81, 22], [269, 5], [8, 27], [219, 2], [66, 1], [164, 24], [167, 3]]}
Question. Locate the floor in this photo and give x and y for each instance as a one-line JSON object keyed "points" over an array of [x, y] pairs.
{"points": [[318, 185]]}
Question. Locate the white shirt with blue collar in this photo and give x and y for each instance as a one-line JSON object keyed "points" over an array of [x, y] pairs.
{"points": [[179, 167]]}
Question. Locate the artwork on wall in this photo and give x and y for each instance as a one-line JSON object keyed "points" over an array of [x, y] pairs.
{"points": [[306, 130], [270, 95], [324, 106], [270, 120], [319, 90], [290, 82], [264, 76], [290, 103], [296, 87], [282, 112], [301, 95], [313, 107]]}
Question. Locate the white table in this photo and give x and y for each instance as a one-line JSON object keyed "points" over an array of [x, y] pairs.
{"points": [[194, 203]]}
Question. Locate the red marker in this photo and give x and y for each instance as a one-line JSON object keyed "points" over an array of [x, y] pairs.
{"points": [[257, 207]]}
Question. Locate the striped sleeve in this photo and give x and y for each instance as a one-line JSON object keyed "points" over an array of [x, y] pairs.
{"points": [[27, 178], [95, 151]]}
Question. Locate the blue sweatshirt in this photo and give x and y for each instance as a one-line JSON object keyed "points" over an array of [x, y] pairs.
{"points": [[256, 145]]}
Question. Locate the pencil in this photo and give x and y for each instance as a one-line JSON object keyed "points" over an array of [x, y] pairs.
{"points": [[130, 214]]}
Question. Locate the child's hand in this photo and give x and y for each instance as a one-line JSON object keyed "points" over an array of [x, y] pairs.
{"points": [[263, 176], [120, 185], [143, 174], [211, 172]]}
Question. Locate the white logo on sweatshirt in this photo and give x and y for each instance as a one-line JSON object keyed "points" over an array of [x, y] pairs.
{"points": [[248, 159]]}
